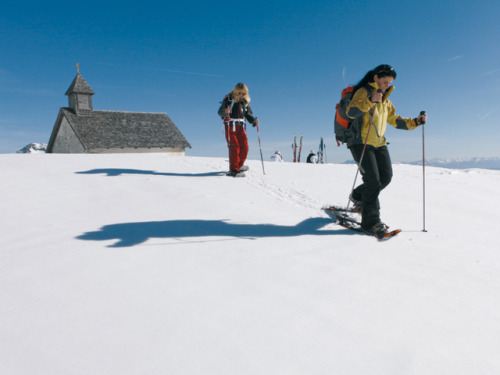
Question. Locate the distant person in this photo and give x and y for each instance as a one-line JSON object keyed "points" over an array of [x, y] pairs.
{"points": [[312, 158], [277, 157], [370, 110], [234, 111]]}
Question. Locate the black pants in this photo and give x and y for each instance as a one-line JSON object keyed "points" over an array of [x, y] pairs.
{"points": [[376, 169]]}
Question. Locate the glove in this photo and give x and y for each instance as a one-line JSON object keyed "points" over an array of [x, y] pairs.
{"points": [[421, 119]]}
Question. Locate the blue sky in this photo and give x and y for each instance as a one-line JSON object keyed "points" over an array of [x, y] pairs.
{"points": [[183, 57]]}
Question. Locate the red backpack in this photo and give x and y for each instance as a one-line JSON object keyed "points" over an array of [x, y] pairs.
{"points": [[342, 122]]}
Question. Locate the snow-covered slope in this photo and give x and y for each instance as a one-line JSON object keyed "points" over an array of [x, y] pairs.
{"points": [[149, 264]]}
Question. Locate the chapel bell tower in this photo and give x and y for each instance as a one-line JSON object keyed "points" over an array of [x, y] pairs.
{"points": [[80, 95]]}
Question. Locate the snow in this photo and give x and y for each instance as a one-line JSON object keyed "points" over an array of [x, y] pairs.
{"points": [[154, 264]]}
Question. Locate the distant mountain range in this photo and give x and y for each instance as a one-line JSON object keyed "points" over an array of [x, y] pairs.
{"points": [[484, 163]]}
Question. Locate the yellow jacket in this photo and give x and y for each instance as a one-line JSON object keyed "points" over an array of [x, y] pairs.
{"points": [[361, 109]]}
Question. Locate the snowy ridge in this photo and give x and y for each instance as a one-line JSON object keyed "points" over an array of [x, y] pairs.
{"points": [[478, 162], [458, 163], [154, 264], [33, 148]]}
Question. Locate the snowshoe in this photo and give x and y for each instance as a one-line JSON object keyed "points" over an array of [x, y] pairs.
{"points": [[235, 174]]}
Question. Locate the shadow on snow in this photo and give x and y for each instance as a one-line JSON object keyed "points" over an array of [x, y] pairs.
{"points": [[130, 234], [118, 172]]}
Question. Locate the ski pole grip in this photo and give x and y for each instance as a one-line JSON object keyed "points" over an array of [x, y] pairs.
{"points": [[379, 90], [422, 113]]}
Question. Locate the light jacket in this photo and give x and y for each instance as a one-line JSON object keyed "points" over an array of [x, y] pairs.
{"points": [[361, 109]]}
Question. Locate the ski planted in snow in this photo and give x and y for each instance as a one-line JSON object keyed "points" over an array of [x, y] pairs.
{"points": [[341, 217], [294, 148], [321, 152], [300, 149]]}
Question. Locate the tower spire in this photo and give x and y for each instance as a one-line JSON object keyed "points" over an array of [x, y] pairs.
{"points": [[80, 95]]}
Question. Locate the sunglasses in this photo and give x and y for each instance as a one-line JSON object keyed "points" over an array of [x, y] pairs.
{"points": [[386, 70]]}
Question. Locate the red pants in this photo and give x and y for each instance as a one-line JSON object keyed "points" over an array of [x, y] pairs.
{"points": [[236, 137]]}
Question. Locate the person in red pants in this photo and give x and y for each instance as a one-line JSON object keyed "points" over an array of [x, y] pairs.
{"points": [[234, 111]]}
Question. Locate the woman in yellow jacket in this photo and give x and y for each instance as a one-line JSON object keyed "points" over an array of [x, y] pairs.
{"points": [[371, 110]]}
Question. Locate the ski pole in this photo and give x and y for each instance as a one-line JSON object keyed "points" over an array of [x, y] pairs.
{"points": [[362, 153], [227, 130], [423, 171], [360, 159], [260, 147]]}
